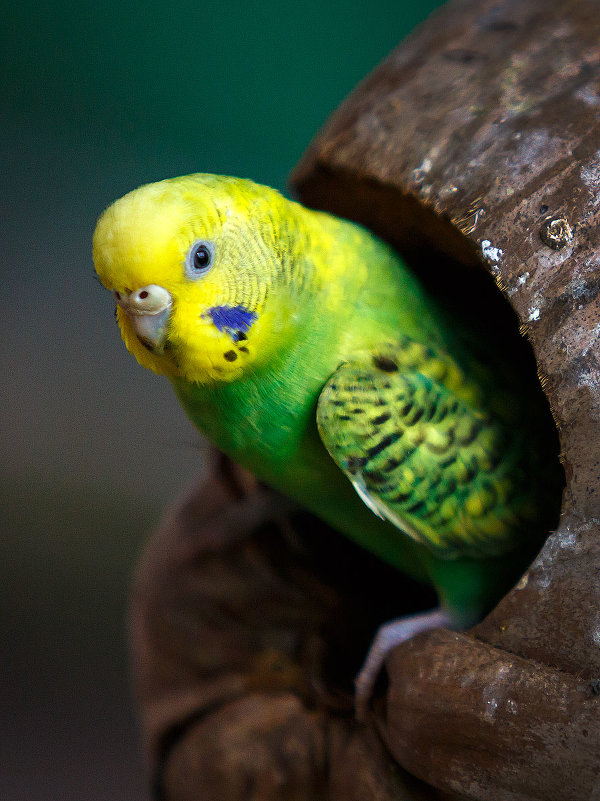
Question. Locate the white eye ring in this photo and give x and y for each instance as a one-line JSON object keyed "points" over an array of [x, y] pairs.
{"points": [[200, 258]]}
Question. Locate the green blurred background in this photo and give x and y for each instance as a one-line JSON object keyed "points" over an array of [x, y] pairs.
{"points": [[97, 99]]}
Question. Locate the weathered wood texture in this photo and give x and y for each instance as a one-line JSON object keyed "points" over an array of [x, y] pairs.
{"points": [[462, 149], [479, 139]]}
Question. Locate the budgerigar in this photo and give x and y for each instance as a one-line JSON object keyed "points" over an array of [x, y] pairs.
{"points": [[302, 347]]}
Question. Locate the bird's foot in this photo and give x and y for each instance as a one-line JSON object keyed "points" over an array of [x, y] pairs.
{"points": [[388, 637]]}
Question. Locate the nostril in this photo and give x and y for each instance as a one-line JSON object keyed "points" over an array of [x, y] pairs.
{"points": [[149, 299]]}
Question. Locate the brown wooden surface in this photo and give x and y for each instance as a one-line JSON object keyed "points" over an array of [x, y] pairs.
{"points": [[475, 146], [248, 627]]}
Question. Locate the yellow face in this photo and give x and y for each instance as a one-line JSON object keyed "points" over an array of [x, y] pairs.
{"points": [[196, 268]]}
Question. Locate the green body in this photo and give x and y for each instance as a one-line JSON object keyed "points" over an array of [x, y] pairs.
{"points": [[373, 307]]}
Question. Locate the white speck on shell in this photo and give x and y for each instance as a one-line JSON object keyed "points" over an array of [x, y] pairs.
{"points": [[448, 190], [589, 379], [577, 287], [523, 582], [521, 281], [491, 707], [544, 580], [490, 252], [512, 707], [534, 313], [589, 97], [590, 175], [568, 540], [493, 693], [594, 335], [419, 173]]}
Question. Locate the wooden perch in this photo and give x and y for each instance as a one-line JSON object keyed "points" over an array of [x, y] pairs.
{"points": [[474, 147]]}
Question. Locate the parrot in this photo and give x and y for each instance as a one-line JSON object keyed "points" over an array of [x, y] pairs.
{"points": [[303, 347]]}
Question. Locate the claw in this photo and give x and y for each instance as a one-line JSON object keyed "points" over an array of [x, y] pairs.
{"points": [[387, 638]]}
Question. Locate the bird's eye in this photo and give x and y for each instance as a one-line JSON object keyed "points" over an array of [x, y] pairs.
{"points": [[199, 259]]}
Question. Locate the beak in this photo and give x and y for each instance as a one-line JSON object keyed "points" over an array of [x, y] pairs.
{"points": [[149, 310]]}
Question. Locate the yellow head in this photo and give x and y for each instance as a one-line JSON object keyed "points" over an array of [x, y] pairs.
{"points": [[199, 268]]}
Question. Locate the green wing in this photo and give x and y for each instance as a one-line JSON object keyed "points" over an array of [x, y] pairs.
{"points": [[424, 451]]}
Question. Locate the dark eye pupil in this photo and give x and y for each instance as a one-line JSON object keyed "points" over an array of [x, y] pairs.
{"points": [[201, 258]]}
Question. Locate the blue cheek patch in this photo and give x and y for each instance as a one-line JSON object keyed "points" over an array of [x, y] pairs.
{"points": [[235, 321]]}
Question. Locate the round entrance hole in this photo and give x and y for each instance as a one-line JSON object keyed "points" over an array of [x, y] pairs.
{"points": [[454, 272]]}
